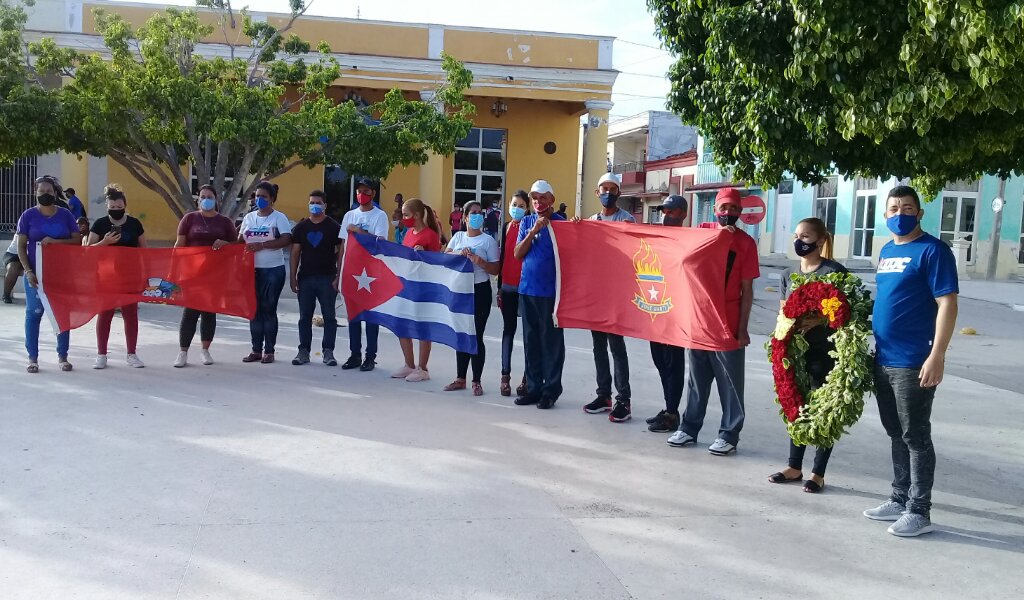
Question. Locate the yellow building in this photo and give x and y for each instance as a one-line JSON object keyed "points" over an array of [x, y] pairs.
{"points": [[530, 90]]}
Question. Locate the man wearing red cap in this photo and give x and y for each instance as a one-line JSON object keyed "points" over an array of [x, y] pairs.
{"points": [[725, 367]]}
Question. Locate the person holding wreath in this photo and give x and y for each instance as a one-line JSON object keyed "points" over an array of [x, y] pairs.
{"points": [[813, 244]]}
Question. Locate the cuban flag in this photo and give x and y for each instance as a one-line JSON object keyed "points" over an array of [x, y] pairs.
{"points": [[419, 295]]}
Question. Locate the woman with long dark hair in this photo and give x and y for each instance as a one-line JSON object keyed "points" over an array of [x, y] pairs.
{"points": [[45, 223]]}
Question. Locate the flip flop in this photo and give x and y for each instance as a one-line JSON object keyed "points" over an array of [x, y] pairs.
{"points": [[780, 478], [812, 488]]}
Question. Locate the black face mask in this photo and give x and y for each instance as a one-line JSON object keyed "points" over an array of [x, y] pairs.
{"points": [[116, 214], [46, 199], [802, 248], [671, 221], [728, 220]]}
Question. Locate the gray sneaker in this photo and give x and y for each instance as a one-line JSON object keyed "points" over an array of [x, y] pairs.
{"points": [[329, 359], [911, 525], [886, 511], [301, 358]]}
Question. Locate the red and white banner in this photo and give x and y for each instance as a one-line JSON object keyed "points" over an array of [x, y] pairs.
{"points": [[76, 283], [664, 284]]}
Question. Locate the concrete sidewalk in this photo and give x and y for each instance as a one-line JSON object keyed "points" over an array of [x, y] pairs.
{"points": [[281, 482]]}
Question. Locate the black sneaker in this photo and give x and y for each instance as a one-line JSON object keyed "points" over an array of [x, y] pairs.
{"points": [[546, 403], [8, 300], [525, 400], [621, 413], [353, 362], [369, 363], [599, 405], [663, 422]]}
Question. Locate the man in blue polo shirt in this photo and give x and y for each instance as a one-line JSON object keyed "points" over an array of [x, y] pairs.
{"points": [[545, 343], [915, 312]]}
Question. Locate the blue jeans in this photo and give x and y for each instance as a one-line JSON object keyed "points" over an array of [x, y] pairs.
{"points": [[355, 337], [263, 328], [725, 368], [545, 347], [905, 409], [313, 289], [33, 317]]}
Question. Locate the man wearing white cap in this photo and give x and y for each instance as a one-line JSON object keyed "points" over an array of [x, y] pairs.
{"points": [[544, 343], [608, 192]]}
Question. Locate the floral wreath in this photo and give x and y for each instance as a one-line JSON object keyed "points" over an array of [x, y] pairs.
{"points": [[820, 416]]}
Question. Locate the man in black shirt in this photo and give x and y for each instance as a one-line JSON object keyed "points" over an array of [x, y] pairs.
{"points": [[313, 269]]}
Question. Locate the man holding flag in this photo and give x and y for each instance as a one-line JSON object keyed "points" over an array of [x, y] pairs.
{"points": [[724, 366], [544, 343]]}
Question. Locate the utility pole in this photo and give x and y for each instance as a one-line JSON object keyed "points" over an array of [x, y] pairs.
{"points": [[997, 227]]}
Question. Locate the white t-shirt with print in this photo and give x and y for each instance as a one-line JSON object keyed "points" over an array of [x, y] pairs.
{"points": [[257, 228], [374, 222], [482, 245]]}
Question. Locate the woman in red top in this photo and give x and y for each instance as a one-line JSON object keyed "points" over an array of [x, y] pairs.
{"points": [[508, 288], [423, 233]]}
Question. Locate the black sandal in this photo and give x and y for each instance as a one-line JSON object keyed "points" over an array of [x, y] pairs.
{"points": [[812, 488], [780, 478]]}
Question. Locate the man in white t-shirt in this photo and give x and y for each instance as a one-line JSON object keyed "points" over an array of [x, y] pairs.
{"points": [[365, 219], [13, 271], [608, 192]]}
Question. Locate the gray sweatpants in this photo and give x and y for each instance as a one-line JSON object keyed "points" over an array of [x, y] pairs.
{"points": [[725, 368]]}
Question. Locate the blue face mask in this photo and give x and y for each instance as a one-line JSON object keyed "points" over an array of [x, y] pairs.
{"points": [[517, 213], [476, 221], [316, 209], [902, 224], [207, 203], [262, 203], [608, 199]]}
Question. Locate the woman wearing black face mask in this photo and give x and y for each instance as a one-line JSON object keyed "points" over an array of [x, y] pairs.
{"points": [[45, 223], [813, 244], [117, 229]]}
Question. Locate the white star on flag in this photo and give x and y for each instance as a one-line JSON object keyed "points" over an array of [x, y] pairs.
{"points": [[364, 281], [654, 293]]}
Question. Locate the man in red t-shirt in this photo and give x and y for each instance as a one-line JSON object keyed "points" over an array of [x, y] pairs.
{"points": [[726, 367]]}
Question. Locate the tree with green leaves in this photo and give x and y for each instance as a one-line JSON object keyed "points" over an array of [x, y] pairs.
{"points": [[161, 101], [928, 89]]}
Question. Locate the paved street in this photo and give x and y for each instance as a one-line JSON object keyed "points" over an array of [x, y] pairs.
{"points": [[281, 482]]}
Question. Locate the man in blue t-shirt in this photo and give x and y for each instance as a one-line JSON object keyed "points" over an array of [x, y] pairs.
{"points": [[915, 311], [74, 204], [544, 343]]}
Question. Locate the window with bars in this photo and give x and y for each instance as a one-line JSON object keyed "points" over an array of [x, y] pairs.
{"points": [[16, 191], [825, 200], [480, 167]]}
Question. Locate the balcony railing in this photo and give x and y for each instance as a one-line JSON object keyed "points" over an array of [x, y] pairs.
{"points": [[630, 167], [710, 173]]}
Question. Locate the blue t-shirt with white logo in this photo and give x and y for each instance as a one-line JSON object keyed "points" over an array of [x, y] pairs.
{"points": [[910, 277], [538, 278]]}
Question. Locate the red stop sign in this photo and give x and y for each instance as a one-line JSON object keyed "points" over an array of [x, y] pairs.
{"points": [[754, 210]]}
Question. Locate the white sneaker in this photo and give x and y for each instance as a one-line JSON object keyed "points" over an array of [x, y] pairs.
{"points": [[418, 375], [886, 511], [403, 372], [205, 355], [182, 359], [134, 361], [101, 362], [680, 439], [721, 448]]}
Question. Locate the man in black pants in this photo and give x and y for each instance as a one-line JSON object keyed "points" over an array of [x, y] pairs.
{"points": [[669, 360]]}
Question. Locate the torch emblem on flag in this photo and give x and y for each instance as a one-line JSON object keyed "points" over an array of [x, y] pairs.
{"points": [[651, 282]]}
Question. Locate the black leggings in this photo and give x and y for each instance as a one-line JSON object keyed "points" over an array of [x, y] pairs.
{"points": [[819, 371], [187, 331], [481, 310], [510, 316]]}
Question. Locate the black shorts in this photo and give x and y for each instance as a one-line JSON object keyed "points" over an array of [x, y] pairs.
{"points": [[9, 258]]}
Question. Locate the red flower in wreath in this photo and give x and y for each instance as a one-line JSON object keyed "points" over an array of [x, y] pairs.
{"points": [[813, 299]]}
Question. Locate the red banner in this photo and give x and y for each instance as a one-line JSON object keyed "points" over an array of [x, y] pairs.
{"points": [[664, 284], [77, 283]]}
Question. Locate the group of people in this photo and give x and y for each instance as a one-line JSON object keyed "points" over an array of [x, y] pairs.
{"points": [[915, 310]]}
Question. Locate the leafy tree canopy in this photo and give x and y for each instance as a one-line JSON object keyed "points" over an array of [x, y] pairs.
{"points": [[252, 105], [930, 89]]}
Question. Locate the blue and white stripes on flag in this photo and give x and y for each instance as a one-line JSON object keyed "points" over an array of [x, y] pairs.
{"points": [[415, 294]]}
